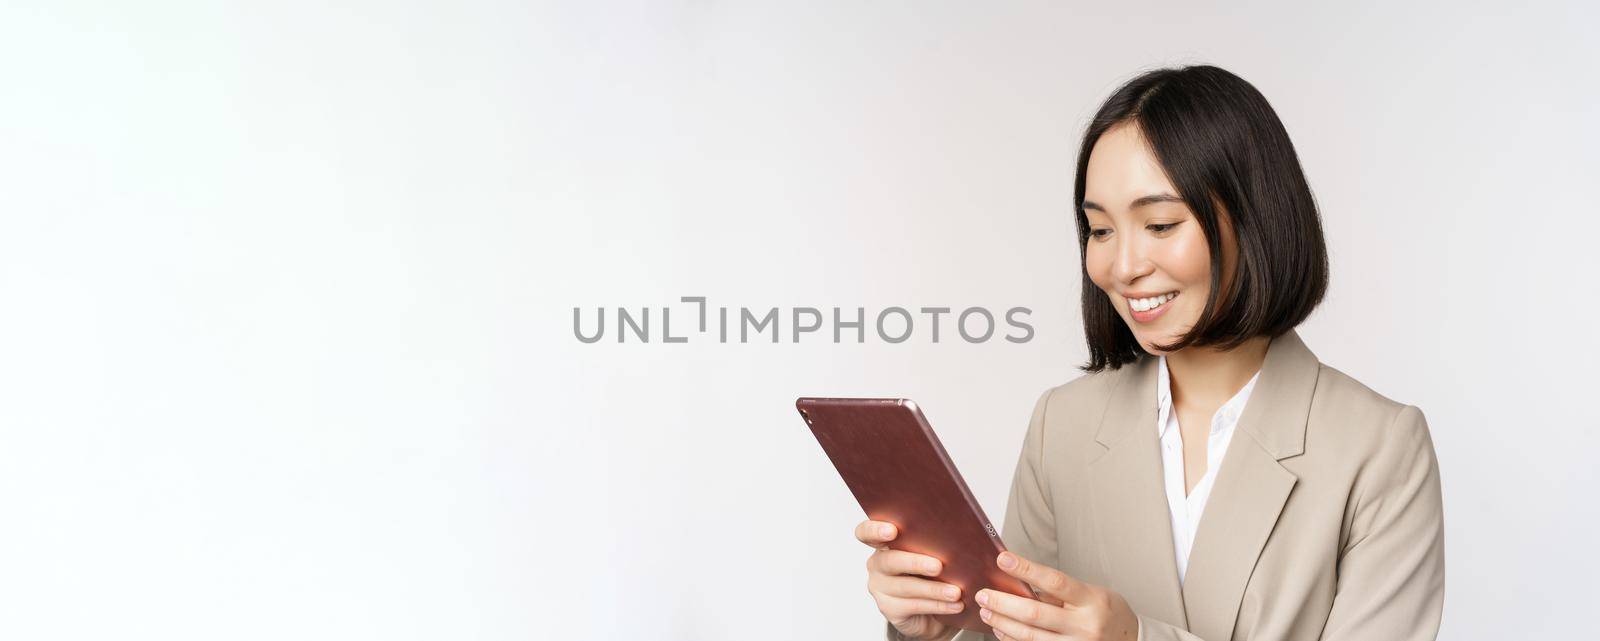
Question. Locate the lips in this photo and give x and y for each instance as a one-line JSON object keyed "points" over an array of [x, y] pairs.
{"points": [[1153, 313], [1150, 302]]}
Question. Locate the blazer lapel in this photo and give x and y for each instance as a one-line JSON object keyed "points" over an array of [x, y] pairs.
{"points": [[1128, 502], [1251, 487]]}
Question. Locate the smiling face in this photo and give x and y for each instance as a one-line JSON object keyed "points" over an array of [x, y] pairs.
{"points": [[1146, 249]]}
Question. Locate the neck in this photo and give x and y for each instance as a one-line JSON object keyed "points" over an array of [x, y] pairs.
{"points": [[1209, 377]]}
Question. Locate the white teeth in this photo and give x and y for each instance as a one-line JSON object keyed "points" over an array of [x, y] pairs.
{"points": [[1147, 304]]}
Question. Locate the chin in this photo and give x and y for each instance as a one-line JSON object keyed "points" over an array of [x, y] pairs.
{"points": [[1148, 342]]}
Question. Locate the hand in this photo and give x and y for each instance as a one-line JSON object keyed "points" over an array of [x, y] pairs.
{"points": [[907, 601], [1066, 609]]}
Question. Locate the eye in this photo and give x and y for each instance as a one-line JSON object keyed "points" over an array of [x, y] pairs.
{"points": [[1160, 229]]}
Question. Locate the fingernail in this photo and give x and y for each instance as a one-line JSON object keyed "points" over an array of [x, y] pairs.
{"points": [[885, 531], [931, 567], [1007, 561], [953, 606], [983, 613], [983, 597], [952, 592]]}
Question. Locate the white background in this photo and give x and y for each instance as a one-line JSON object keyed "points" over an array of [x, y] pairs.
{"points": [[286, 293]]}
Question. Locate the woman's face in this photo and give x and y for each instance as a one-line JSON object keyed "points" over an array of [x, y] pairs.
{"points": [[1144, 241]]}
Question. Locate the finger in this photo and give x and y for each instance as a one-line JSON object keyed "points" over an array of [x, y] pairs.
{"points": [[898, 609], [1023, 610], [889, 561], [1046, 597], [875, 533], [911, 587], [1047, 579], [1007, 628]]}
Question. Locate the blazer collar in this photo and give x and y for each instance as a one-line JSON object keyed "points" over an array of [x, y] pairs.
{"points": [[1288, 373], [1128, 501]]}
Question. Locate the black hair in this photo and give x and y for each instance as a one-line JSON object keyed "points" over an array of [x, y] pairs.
{"points": [[1220, 143]]}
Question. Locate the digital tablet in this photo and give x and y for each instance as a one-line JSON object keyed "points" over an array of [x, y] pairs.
{"points": [[899, 472]]}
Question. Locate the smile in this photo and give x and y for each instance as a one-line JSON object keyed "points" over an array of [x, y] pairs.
{"points": [[1148, 309]]}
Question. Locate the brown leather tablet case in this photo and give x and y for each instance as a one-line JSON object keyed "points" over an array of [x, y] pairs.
{"points": [[899, 472]]}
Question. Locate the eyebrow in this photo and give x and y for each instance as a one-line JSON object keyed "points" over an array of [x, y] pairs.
{"points": [[1137, 202]]}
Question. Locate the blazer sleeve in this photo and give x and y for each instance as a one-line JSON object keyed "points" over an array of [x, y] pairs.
{"points": [[1029, 528], [1391, 568]]}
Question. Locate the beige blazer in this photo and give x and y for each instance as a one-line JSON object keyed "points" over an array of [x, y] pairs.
{"points": [[1325, 521]]}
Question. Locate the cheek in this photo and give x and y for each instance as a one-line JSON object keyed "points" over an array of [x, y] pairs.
{"points": [[1188, 261], [1098, 268]]}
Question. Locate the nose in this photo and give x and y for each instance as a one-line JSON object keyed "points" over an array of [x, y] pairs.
{"points": [[1129, 263]]}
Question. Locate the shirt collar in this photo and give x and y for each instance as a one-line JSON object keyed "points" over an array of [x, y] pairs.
{"points": [[1226, 416], [1163, 396]]}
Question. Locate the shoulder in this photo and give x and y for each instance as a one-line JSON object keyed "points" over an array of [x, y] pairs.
{"points": [[1379, 449], [1075, 407], [1086, 392], [1338, 389], [1347, 414]]}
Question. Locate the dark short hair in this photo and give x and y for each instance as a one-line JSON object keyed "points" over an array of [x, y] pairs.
{"points": [[1219, 143]]}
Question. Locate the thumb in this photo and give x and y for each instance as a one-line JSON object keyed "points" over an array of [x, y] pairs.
{"points": [[918, 626]]}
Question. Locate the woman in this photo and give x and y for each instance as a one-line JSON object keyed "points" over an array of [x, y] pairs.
{"points": [[1202, 251]]}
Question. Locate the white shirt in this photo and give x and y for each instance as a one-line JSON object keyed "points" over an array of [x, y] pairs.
{"points": [[1186, 509]]}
